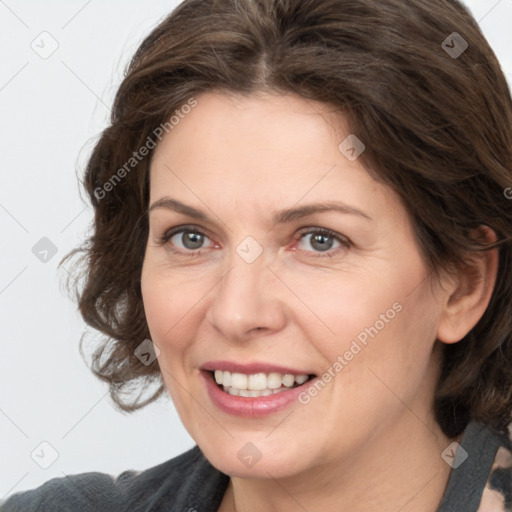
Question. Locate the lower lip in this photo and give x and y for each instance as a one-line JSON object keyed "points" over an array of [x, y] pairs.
{"points": [[251, 406]]}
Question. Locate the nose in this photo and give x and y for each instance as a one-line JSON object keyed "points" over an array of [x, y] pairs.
{"points": [[247, 302]]}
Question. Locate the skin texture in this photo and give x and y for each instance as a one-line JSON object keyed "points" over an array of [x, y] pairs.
{"points": [[369, 438]]}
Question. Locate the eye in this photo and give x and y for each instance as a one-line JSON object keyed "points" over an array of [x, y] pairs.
{"points": [[185, 239], [322, 241], [191, 240]]}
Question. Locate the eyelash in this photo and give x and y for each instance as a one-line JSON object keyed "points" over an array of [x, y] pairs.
{"points": [[345, 243]]}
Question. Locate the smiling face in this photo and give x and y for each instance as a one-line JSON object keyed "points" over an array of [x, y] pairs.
{"points": [[245, 273]]}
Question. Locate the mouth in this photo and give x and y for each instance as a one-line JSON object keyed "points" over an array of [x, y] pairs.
{"points": [[257, 384], [255, 389]]}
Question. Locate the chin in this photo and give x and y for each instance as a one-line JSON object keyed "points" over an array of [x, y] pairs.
{"points": [[245, 459]]}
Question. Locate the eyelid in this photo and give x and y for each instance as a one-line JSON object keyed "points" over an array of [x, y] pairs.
{"points": [[343, 240], [168, 234], [316, 229]]}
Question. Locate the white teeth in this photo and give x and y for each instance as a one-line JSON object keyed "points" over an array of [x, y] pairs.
{"points": [[238, 380], [288, 380], [274, 380], [257, 384], [300, 379], [253, 392]]}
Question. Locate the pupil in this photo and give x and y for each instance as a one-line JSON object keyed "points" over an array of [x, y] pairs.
{"points": [[324, 242], [192, 240]]}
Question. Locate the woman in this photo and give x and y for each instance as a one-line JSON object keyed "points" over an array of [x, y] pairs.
{"points": [[303, 233]]}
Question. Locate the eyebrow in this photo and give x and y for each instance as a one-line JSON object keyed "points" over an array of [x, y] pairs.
{"points": [[278, 217]]}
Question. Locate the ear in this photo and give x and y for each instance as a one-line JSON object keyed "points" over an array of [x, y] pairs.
{"points": [[468, 294]]}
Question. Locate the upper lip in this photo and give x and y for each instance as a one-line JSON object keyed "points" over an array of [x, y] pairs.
{"points": [[251, 368]]}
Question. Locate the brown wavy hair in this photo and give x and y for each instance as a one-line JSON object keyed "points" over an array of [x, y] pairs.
{"points": [[437, 128]]}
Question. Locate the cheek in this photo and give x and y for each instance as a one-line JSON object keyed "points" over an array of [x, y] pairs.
{"points": [[390, 347], [171, 306], [336, 308], [379, 318], [380, 351]]}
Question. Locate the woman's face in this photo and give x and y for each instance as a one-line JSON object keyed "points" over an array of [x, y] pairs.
{"points": [[301, 265]]}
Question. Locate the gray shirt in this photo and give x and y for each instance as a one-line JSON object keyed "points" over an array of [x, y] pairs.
{"points": [[480, 481]]}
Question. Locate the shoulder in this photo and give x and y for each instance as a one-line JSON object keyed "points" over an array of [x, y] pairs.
{"points": [[481, 475], [131, 490], [72, 492], [497, 493]]}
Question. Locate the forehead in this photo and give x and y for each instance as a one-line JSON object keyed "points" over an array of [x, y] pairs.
{"points": [[266, 148], [274, 125]]}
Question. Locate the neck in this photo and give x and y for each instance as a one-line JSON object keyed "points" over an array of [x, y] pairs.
{"points": [[398, 468]]}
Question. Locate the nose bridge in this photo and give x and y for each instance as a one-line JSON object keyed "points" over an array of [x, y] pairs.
{"points": [[244, 300]]}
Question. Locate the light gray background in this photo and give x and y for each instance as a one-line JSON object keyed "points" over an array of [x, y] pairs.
{"points": [[51, 108]]}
